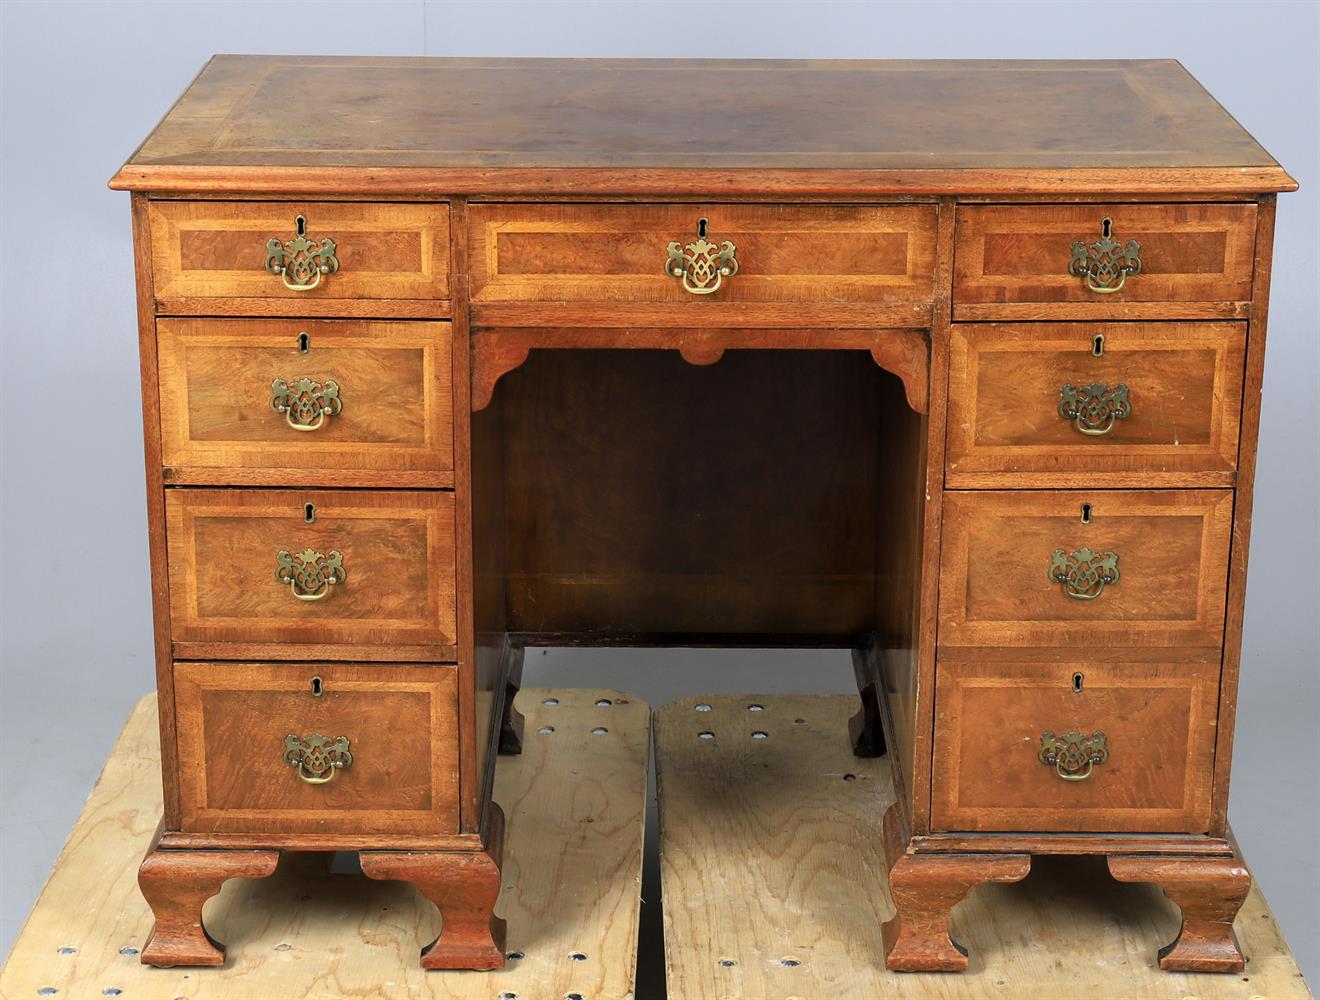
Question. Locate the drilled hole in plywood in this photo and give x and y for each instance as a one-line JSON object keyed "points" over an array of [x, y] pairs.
{"points": [[850, 777], [515, 956], [701, 707], [572, 996], [551, 701], [604, 703], [67, 949], [790, 963], [599, 731], [755, 708], [727, 963], [577, 956], [705, 735], [760, 735], [546, 730], [284, 947], [111, 991], [507, 995], [128, 950], [47, 991], [799, 722]]}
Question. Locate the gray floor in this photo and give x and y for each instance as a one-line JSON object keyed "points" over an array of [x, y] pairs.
{"points": [[56, 739]]}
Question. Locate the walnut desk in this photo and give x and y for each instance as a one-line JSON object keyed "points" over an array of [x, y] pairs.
{"points": [[953, 364]]}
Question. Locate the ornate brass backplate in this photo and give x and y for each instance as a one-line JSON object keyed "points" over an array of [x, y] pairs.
{"points": [[1094, 408], [317, 757], [1073, 755], [305, 402], [701, 265], [1104, 265], [310, 574], [300, 262], [1084, 573]]}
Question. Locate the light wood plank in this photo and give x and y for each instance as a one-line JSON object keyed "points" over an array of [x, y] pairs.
{"points": [[770, 851], [575, 802]]}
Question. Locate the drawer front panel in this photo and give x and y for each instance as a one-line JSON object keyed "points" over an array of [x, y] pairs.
{"points": [[1022, 569], [1010, 257], [785, 254], [246, 566], [356, 395], [1159, 398], [221, 248], [1016, 747], [239, 772]]}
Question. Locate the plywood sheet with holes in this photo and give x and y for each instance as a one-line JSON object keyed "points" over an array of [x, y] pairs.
{"points": [[575, 802], [770, 856]]}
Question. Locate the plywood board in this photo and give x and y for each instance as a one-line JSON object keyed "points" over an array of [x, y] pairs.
{"points": [[576, 804], [774, 886]]}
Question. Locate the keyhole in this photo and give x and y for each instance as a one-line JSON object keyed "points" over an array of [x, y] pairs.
{"points": [[701, 228], [304, 343], [309, 512], [1077, 683], [1097, 345], [300, 226], [1086, 513], [1105, 225], [318, 688]]}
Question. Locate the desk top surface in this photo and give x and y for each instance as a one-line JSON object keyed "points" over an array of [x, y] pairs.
{"points": [[584, 126]]}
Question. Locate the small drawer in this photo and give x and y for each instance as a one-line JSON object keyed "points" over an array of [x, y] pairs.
{"points": [[725, 258], [311, 566], [1074, 747], [1093, 401], [1103, 261], [304, 251], [326, 397], [1097, 569], [322, 748]]}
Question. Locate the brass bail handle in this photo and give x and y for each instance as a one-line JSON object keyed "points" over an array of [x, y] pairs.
{"points": [[1073, 755], [1095, 408], [306, 402], [701, 266], [310, 575], [1104, 265], [1084, 574], [317, 757], [301, 262]]}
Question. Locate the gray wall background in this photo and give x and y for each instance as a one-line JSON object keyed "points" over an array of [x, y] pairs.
{"points": [[82, 84]]}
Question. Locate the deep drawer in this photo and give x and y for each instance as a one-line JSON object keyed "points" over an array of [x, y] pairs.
{"points": [[833, 256], [368, 568], [1055, 261], [212, 249], [1130, 568], [1095, 400], [325, 396], [260, 751], [1019, 747]]}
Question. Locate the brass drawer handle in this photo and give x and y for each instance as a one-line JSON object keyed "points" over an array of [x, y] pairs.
{"points": [[1094, 408], [310, 574], [305, 402], [1084, 573], [303, 260], [1104, 266], [317, 757], [701, 265], [1073, 755]]}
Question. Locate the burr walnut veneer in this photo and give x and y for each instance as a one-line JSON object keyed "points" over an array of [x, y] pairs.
{"points": [[443, 358]]}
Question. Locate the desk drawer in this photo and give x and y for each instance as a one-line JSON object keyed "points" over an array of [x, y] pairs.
{"points": [[248, 566], [358, 396], [213, 249], [833, 256], [1022, 569], [1160, 398], [1046, 261], [260, 751], [1018, 747]]}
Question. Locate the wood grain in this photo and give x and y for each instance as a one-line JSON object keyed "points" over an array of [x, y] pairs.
{"points": [[616, 254], [1159, 724], [394, 387], [771, 850], [1184, 386], [400, 722], [995, 587], [1019, 255], [272, 122], [216, 249], [398, 556], [575, 802]]}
